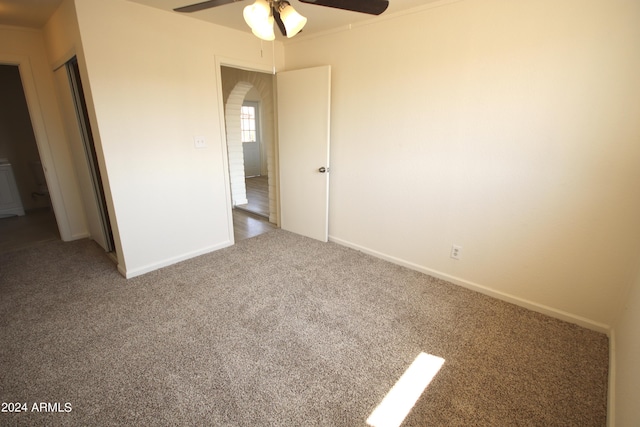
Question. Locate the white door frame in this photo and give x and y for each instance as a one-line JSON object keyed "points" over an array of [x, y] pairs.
{"points": [[42, 141], [259, 68]]}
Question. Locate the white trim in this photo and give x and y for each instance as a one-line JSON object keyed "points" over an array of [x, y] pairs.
{"points": [[78, 236], [611, 397], [225, 152], [64, 59], [170, 261], [243, 65], [540, 308], [258, 68], [20, 28], [42, 141]]}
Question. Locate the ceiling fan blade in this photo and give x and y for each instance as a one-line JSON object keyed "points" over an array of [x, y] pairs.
{"points": [[372, 7], [278, 19], [204, 5]]}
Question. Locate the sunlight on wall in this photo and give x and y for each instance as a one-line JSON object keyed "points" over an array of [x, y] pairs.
{"points": [[396, 405]]}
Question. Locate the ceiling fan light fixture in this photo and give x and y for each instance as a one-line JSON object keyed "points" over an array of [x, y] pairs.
{"points": [[293, 21], [264, 30], [261, 15], [257, 14]]}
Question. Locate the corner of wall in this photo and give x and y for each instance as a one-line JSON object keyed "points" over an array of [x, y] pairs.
{"points": [[139, 271]]}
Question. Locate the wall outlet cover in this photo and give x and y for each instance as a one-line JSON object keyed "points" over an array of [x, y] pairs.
{"points": [[456, 251]]}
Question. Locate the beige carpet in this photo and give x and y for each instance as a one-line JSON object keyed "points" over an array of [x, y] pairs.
{"points": [[278, 330]]}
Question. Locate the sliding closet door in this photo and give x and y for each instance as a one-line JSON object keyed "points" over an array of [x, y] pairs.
{"points": [[81, 141]]}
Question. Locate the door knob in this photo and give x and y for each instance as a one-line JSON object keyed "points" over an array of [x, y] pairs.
{"points": [[323, 169]]}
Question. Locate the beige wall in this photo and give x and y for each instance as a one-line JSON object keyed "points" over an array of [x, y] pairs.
{"points": [[153, 82], [509, 128], [62, 38]]}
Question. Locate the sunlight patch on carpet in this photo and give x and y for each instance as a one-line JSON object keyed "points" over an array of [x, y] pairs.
{"points": [[397, 404]]}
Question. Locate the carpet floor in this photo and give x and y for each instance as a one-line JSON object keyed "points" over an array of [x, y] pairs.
{"points": [[278, 330]]}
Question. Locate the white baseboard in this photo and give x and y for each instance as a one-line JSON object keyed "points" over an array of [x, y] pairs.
{"points": [[77, 236], [240, 202], [129, 273], [540, 308]]}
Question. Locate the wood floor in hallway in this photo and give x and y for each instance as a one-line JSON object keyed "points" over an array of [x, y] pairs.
{"points": [[251, 219], [257, 195], [247, 225]]}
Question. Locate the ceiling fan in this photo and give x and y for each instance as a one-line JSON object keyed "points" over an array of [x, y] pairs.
{"points": [[261, 15]]}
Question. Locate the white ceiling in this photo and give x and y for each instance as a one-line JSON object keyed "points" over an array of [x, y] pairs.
{"points": [[35, 13]]}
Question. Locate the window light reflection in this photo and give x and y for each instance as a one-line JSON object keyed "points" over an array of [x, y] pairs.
{"points": [[397, 404]]}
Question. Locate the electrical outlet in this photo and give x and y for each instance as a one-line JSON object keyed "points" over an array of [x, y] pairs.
{"points": [[456, 251], [199, 142]]}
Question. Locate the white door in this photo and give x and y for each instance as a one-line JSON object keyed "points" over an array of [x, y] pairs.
{"points": [[76, 123], [304, 102]]}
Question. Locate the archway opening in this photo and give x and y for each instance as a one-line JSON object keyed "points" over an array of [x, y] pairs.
{"points": [[240, 86]]}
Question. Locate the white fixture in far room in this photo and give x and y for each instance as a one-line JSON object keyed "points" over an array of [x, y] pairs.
{"points": [[10, 202]]}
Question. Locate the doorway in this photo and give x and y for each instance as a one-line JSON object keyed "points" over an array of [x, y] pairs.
{"points": [[250, 127], [31, 220]]}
